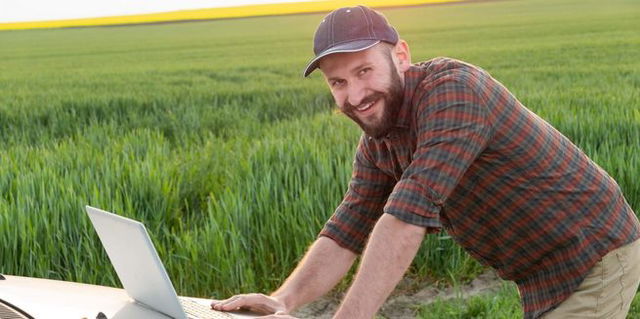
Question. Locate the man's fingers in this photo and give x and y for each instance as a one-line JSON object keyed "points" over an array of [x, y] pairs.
{"points": [[218, 302], [233, 303], [227, 304], [253, 302], [224, 300]]}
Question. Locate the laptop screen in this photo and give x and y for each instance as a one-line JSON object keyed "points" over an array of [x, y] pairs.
{"points": [[136, 262]]}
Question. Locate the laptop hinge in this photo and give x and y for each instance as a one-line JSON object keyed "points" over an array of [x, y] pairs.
{"points": [[152, 309]]}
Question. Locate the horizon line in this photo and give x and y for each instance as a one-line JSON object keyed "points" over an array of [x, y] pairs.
{"points": [[256, 10]]}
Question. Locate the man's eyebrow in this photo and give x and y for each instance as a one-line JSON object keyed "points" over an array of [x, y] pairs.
{"points": [[353, 70], [360, 66]]}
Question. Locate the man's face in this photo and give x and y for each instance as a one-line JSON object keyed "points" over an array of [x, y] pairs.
{"points": [[366, 86]]}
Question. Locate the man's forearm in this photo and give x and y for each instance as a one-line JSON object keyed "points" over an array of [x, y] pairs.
{"points": [[319, 271], [392, 246]]}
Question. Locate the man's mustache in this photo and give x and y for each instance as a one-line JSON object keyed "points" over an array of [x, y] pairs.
{"points": [[368, 99]]}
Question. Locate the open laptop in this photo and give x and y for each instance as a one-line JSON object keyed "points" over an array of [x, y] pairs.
{"points": [[141, 271]]}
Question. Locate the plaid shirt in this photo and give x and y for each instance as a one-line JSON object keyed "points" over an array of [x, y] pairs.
{"points": [[467, 156]]}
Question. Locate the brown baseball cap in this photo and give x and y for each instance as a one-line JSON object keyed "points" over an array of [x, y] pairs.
{"points": [[350, 29]]}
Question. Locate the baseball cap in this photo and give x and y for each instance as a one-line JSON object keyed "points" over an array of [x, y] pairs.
{"points": [[350, 29]]}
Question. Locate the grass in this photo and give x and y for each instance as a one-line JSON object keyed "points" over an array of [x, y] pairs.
{"points": [[503, 304], [206, 132]]}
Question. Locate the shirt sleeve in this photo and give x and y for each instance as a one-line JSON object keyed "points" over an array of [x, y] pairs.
{"points": [[362, 205], [452, 129]]}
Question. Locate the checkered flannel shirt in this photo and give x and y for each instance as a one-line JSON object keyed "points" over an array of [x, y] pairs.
{"points": [[467, 156]]}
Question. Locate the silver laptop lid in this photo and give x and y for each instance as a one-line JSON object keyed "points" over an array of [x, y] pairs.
{"points": [[136, 262]]}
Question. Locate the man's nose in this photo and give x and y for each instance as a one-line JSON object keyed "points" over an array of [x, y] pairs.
{"points": [[356, 93]]}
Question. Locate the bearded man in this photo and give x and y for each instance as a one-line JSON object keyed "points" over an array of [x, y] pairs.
{"points": [[445, 146]]}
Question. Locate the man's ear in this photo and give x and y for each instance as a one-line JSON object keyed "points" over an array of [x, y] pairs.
{"points": [[403, 55]]}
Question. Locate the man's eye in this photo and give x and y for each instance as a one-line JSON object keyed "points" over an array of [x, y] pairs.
{"points": [[363, 71], [337, 83]]}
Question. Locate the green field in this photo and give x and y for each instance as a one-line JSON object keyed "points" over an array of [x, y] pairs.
{"points": [[207, 133], [504, 304]]}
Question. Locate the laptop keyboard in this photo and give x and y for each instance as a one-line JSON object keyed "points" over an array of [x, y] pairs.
{"points": [[200, 311]]}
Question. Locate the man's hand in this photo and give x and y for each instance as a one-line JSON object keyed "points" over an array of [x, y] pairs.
{"points": [[258, 303], [320, 270]]}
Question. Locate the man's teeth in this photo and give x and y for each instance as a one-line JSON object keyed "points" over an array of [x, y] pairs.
{"points": [[364, 107]]}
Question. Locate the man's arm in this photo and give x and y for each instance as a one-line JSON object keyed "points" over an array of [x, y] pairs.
{"points": [[392, 246], [319, 271]]}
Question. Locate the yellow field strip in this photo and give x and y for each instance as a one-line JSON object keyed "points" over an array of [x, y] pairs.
{"points": [[216, 13]]}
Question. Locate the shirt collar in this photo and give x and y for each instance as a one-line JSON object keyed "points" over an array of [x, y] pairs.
{"points": [[412, 78]]}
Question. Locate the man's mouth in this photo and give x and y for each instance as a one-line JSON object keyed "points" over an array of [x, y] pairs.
{"points": [[365, 106]]}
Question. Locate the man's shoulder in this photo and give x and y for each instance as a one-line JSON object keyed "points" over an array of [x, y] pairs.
{"points": [[445, 66], [444, 73]]}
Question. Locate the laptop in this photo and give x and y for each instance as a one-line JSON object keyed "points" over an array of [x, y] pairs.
{"points": [[141, 271]]}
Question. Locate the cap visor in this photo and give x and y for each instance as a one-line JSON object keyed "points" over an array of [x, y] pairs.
{"points": [[353, 46]]}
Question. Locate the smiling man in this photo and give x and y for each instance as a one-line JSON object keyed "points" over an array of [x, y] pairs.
{"points": [[445, 146]]}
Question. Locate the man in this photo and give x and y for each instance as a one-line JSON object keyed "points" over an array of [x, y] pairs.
{"points": [[447, 146]]}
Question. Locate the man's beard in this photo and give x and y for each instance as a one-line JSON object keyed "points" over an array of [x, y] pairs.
{"points": [[392, 100]]}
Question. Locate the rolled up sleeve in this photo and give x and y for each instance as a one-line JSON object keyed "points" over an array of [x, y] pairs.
{"points": [[362, 205], [453, 128]]}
